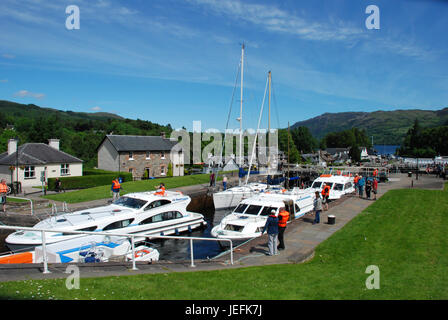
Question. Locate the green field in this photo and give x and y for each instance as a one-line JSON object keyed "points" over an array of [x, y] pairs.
{"points": [[103, 192], [403, 233]]}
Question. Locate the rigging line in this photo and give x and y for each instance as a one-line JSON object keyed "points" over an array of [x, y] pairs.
{"points": [[275, 104], [256, 132], [230, 109]]}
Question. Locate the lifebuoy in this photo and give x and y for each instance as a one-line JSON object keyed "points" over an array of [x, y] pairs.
{"points": [[141, 253]]}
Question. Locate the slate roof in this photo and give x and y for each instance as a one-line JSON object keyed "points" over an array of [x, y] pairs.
{"points": [[37, 154], [123, 143]]}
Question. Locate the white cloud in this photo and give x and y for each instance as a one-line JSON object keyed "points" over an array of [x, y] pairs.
{"points": [[28, 94], [3, 80], [280, 21], [96, 108]]}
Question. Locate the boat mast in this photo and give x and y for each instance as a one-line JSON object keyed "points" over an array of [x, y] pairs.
{"points": [[241, 111]]}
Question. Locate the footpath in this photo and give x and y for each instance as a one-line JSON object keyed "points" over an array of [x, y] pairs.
{"points": [[301, 239]]}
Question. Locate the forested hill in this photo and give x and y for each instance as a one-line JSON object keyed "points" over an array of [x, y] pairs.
{"points": [[79, 132], [386, 127]]}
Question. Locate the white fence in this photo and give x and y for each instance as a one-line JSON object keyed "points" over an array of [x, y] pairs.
{"points": [[131, 236]]}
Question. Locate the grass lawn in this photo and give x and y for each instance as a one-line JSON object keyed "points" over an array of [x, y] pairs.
{"points": [[103, 192], [403, 233]]}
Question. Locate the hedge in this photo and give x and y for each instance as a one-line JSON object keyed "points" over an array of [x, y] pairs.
{"points": [[89, 181]]}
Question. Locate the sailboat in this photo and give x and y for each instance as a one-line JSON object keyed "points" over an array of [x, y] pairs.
{"points": [[232, 197]]}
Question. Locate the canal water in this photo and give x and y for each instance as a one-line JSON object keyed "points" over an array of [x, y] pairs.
{"points": [[175, 250]]}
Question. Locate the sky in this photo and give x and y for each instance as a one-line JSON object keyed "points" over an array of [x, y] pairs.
{"points": [[177, 61]]}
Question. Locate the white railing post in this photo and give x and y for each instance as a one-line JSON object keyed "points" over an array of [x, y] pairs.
{"points": [[44, 252], [192, 253], [133, 254]]}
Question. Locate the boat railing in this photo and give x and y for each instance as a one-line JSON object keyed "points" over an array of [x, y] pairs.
{"points": [[132, 238]]}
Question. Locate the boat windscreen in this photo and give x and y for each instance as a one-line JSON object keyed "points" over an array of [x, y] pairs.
{"points": [[130, 202], [240, 208], [253, 209], [316, 184], [267, 211]]}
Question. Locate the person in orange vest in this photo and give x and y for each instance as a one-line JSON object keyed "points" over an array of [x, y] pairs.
{"points": [[3, 193], [355, 180], [283, 217], [161, 190], [116, 187], [375, 173], [326, 195]]}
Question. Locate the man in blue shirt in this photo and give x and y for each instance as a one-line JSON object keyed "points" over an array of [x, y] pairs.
{"points": [[272, 227]]}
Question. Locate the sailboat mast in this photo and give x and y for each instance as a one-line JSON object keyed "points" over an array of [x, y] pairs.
{"points": [[241, 107], [269, 110]]}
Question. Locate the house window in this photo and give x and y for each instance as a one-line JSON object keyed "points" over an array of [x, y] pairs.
{"points": [[162, 171], [65, 169], [30, 172], [131, 155], [162, 155], [148, 155]]}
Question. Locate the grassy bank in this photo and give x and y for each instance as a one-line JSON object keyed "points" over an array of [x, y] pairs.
{"points": [[103, 192], [403, 233]]}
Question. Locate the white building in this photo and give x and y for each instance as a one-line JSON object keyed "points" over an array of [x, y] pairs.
{"points": [[36, 160]]}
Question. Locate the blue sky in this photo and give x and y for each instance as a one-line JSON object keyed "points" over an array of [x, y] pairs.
{"points": [[175, 61]]}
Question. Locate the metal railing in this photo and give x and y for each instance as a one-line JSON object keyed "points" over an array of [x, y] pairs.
{"points": [[127, 235], [31, 202]]}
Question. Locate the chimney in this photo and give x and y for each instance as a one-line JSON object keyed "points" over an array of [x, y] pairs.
{"points": [[162, 134], [54, 143], [12, 146]]}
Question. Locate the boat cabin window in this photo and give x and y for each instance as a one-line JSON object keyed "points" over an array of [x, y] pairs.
{"points": [[296, 207], [232, 227], [118, 224], [338, 187], [267, 211], [329, 184], [348, 185], [316, 184], [253, 210], [164, 216], [240, 208], [130, 202], [157, 203]]}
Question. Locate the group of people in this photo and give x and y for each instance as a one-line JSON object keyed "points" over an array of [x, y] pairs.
{"points": [[275, 227], [116, 188], [369, 184]]}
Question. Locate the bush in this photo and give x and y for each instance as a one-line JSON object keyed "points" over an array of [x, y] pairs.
{"points": [[89, 181]]}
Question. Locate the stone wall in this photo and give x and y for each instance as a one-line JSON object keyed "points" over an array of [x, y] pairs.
{"points": [[156, 164]]}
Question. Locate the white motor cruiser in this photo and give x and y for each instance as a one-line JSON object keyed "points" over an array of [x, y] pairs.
{"points": [[339, 184], [249, 217], [85, 249], [231, 197], [145, 212]]}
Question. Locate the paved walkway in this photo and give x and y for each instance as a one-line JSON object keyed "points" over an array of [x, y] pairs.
{"points": [[301, 237]]}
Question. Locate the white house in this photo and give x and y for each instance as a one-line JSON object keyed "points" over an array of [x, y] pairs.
{"points": [[36, 160]]}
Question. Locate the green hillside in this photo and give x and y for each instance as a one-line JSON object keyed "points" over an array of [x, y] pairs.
{"points": [[80, 133], [386, 127]]}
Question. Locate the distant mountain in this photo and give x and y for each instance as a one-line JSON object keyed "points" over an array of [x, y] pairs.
{"points": [[31, 110], [386, 127]]}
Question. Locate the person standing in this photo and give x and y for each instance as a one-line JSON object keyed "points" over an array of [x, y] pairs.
{"points": [[224, 183], [375, 188], [317, 208], [161, 190], [271, 227], [116, 186], [3, 193], [283, 218], [212, 179], [356, 180], [368, 187], [361, 183], [326, 195]]}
